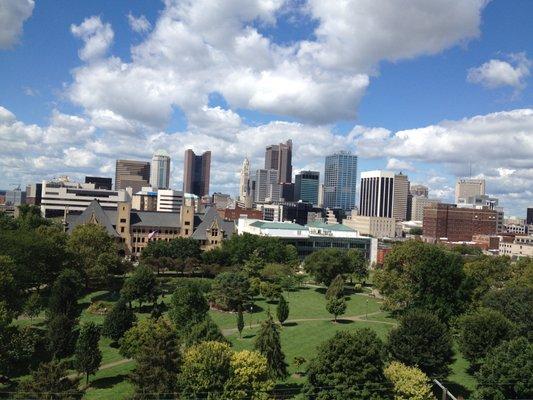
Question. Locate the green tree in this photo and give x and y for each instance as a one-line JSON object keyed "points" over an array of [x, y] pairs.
{"points": [[120, 319], [336, 307], [141, 286], [230, 291], [348, 366], [268, 343], [64, 294], [270, 291], [240, 321], [205, 331], [141, 333], [18, 348], [409, 383], [326, 264], [421, 340], [254, 264], [359, 264], [158, 363], [249, 377], [50, 382], [481, 330], [416, 230], [282, 310], [10, 293], [506, 372], [60, 335], [33, 305], [188, 306], [335, 288], [206, 369], [485, 273], [87, 356], [276, 272], [422, 275]]}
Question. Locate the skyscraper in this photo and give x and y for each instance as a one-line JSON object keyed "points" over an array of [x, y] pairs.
{"points": [[160, 171], [279, 157], [244, 184], [306, 186], [340, 180], [468, 188], [266, 185], [384, 194], [130, 173], [529, 216], [196, 173]]}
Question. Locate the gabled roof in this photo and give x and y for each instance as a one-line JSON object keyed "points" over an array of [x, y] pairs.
{"points": [[211, 215], [93, 214]]}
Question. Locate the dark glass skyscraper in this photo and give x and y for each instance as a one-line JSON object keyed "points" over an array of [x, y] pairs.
{"points": [[196, 173], [306, 186], [340, 180]]}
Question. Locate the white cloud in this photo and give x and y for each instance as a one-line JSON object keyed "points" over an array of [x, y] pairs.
{"points": [[97, 36], [6, 116], [139, 24], [13, 13], [399, 165], [497, 73]]}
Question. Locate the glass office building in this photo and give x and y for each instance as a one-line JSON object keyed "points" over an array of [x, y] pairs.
{"points": [[340, 180]]}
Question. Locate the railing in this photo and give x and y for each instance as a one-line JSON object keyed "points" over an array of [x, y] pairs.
{"points": [[445, 393]]}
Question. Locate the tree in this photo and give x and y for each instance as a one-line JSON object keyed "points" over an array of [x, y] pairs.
{"points": [[205, 331], [50, 382], [409, 383], [158, 363], [276, 272], [249, 377], [421, 340], [206, 369], [348, 366], [481, 330], [485, 273], [422, 275], [64, 294], [33, 305], [10, 293], [118, 321], [18, 348], [230, 291], [326, 264], [282, 311], [336, 288], [188, 306], [87, 356], [506, 372], [177, 249], [416, 230], [240, 321], [359, 264], [141, 286], [270, 291], [336, 307], [60, 335], [141, 333], [268, 343], [253, 266]]}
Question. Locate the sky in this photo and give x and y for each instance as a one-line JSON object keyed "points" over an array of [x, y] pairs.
{"points": [[437, 89]]}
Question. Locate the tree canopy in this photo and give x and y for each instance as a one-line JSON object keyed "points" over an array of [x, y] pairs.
{"points": [[326, 264]]}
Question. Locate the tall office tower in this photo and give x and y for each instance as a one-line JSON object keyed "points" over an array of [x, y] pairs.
{"points": [[279, 157], [340, 180], [134, 174], [400, 197], [529, 216], [266, 185], [419, 190], [384, 194], [244, 184], [196, 173], [160, 171], [306, 186], [100, 182], [468, 188]]}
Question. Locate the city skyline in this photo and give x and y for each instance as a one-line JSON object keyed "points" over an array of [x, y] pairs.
{"points": [[373, 99]]}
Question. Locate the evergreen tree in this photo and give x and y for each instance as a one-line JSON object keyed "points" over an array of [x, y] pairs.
{"points": [[205, 331], [60, 335], [240, 321], [336, 307], [64, 294], [268, 343], [87, 357], [336, 288], [282, 311], [118, 321]]}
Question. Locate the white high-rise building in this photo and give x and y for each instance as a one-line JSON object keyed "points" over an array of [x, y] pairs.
{"points": [[384, 194], [266, 185], [465, 188], [169, 200], [160, 171], [244, 185]]}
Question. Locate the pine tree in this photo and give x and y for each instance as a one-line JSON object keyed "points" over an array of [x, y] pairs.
{"points": [[282, 310], [60, 336], [87, 357], [118, 321], [240, 321], [268, 343]]}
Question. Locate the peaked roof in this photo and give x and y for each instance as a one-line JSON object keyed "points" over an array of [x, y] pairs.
{"points": [[211, 215], [93, 214]]}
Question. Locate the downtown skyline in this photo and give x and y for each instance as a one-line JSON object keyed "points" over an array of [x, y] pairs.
{"points": [[433, 109]]}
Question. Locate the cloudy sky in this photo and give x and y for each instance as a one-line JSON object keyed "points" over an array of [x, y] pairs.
{"points": [[432, 88]]}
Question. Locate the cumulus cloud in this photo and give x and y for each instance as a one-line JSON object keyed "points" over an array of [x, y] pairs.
{"points": [[13, 13], [139, 24], [497, 73], [97, 36], [399, 165]]}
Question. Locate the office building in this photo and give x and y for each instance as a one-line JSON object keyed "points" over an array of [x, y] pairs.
{"points": [[169, 200], [160, 171], [378, 227], [520, 247], [447, 222], [340, 180], [465, 188], [15, 197], [306, 186], [418, 205], [266, 185], [419, 190], [286, 191], [233, 214], [130, 173], [196, 173], [144, 200], [529, 216], [384, 194], [100, 182], [33, 194], [62, 196], [279, 157], [297, 212], [244, 184]]}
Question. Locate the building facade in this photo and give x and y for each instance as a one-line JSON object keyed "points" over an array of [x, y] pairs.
{"points": [[244, 183], [521, 247], [529, 216], [465, 188], [378, 227], [418, 205], [100, 182], [131, 173], [400, 197], [160, 171], [196, 173], [419, 190], [169, 200], [279, 157], [144, 200], [306, 185], [384, 194], [267, 187], [340, 181]]}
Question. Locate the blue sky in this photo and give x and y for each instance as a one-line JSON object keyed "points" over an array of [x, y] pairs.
{"points": [[428, 89]]}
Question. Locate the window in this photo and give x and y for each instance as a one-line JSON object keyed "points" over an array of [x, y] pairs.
{"points": [[121, 229], [186, 231], [214, 232], [187, 222], [122, 220]]}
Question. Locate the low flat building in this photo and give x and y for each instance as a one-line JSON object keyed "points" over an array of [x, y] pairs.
{"points": [[521, 247], [378, 227]]}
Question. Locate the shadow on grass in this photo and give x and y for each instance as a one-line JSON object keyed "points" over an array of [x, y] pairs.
{"points": [[107, 296], [290, 324], [107, 382], [287, 390], [321, 290], [344, 321], [456, 389], [250, 336]]}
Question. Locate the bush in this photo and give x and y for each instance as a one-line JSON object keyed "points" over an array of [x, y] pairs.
{"points": [[409, 383]]}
